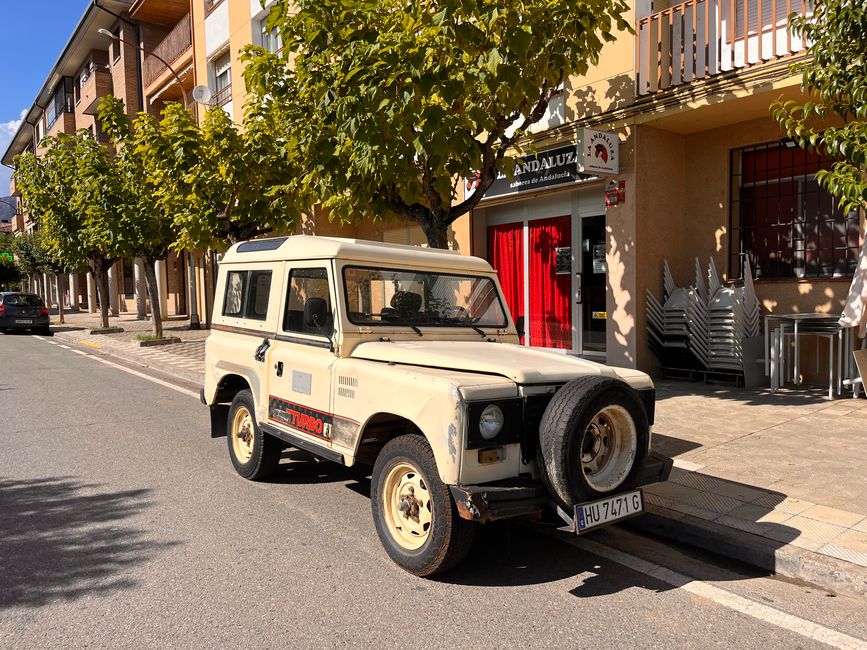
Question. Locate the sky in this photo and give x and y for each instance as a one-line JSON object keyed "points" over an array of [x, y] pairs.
{"points": [[34, 34]]}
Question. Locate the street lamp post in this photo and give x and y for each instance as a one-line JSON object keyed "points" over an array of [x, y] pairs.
{"points": [[191, 300]]}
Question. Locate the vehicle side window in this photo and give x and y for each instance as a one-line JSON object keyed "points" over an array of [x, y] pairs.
{"points": [[247, 294], [308, 303], [233, 303]]}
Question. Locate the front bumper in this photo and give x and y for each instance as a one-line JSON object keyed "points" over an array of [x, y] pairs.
{"points": [[523, 497]]}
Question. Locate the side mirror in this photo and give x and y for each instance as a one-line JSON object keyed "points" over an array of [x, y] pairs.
{"points": [[315, 312], [519, 325]]}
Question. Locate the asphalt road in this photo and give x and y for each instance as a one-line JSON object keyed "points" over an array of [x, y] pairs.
{"points": [[123, 524]]}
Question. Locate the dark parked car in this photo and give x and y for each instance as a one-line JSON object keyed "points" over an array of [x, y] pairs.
{"points": [[23, 311]]}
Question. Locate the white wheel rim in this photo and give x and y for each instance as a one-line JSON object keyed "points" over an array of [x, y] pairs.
{"points": [[406, 506], [243, 434], [608, 448]]}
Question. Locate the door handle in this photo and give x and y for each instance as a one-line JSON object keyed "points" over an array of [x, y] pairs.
{"points": [[279, 368], [261, 350]]}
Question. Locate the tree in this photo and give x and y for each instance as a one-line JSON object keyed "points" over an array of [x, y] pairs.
{"points": [[218, 182], [385, 106], [77, 196], [10, 274], [136, 164], [31, 256], [834, 118]]}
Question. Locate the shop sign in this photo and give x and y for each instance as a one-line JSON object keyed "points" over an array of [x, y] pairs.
{"points": [[600, 152], [550, 168]]}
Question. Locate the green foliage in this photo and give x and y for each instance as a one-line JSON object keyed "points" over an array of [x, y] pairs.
{"points": [[30, 255], [77, 196], [834, 119], [204, 185], [387, 105], [10, 274]]}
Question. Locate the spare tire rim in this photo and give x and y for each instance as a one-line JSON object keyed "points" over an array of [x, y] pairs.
{"points": [[407, 506], [608, 448]]}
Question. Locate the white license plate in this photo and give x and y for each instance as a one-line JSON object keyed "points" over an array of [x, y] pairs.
{"points": [[24, 321], [605, 511]]}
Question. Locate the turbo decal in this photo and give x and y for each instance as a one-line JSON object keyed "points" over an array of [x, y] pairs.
{"points": [[302, 418]]}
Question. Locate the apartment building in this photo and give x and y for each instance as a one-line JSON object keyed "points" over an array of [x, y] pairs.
{"points": [[131, 64]]}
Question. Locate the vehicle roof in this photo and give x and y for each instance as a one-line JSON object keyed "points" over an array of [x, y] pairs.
{"points": [[311, 247]]}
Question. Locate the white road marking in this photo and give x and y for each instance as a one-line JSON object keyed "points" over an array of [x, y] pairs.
{"points": [[65, 347], [148, 377], [142, 375], [722, 597]]}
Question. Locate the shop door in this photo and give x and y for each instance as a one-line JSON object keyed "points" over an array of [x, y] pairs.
{"points": [[550, 309], [594, 275], [506, 254]]}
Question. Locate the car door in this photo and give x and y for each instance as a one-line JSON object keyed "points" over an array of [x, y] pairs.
{"points": [[301, 358]]}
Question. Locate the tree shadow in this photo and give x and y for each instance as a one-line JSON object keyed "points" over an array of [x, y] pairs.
{"points": [[63, 539], [803, 396]]}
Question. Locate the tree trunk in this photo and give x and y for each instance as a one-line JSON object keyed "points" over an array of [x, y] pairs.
{"points": [[61, 292], [437, 234], [154, 296], [100, 272]]}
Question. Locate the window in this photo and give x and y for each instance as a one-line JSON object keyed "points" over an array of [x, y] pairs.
{"points": [[247, 294], [222, 70], [308, 288], [210, 5], [783, 221], [270, 39], [114, 50], [412, 297]]}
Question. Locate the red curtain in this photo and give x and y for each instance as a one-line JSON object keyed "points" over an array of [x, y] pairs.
{"points": [[550, 305], [506, 254]]}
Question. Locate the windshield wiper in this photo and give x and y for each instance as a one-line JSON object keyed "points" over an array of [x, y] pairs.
{"points": [[395, 316], [464, 322]]}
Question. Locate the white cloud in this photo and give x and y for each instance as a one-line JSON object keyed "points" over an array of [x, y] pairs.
{"points": [[7, 132]]}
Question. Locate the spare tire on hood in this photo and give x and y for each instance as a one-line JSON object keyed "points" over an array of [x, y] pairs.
{"points": [[593, 438]]}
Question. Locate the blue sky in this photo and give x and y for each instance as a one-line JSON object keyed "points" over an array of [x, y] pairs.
{"points": [[47, 24]]}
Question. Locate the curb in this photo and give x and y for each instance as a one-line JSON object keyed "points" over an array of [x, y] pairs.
{"points": [[778, 557], [106, 349]]}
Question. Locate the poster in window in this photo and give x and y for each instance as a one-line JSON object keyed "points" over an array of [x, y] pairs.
{"points": [[599, 258], [563, 260]]}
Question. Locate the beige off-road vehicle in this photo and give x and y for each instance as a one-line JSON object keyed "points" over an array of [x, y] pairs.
{"points": [[408, 360]]}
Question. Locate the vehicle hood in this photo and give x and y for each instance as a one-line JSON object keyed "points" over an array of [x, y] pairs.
{"points": [[520, 364]]}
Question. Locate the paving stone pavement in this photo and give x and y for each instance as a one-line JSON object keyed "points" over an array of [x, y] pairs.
{"points": [[789, 467]]}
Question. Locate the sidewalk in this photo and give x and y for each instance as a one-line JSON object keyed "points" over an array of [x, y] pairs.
{"points": [[184, 360], [776, 480]]}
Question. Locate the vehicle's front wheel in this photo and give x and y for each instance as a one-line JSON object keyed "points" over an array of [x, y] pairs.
{"points": [[415, 516], [254, 453]]}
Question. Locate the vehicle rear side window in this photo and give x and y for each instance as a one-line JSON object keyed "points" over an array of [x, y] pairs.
{"points": [[247, 294]]}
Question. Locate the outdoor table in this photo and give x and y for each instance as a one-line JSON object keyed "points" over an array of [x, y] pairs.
{"points": [[812, 324]]}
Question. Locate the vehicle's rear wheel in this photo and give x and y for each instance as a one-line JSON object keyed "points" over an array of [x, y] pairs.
{"points": [[44, 331], [254, 453], [413, 510], [592, 438]]}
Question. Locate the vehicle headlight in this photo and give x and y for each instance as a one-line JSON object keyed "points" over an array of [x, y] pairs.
{"points": [[491, 421]]}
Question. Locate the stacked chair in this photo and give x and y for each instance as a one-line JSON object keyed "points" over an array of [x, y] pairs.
{"points": [[703, 326]]}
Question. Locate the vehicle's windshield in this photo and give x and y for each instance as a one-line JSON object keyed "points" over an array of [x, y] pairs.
{"points": [[413, 297], [23, 300]]}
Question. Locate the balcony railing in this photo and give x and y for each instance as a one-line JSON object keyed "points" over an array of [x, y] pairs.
{"points": [[698, 39], [176, 42], [222, 96]]}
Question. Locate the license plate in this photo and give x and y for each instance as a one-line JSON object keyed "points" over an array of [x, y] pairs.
{"points": [[24, 321], [608, 510]]}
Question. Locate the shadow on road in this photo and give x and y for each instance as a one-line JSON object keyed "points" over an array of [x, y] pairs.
{"points": [[61, 539]]}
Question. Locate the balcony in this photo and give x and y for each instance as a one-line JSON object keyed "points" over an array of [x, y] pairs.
{"points": [[178, 41], [699, 39]]}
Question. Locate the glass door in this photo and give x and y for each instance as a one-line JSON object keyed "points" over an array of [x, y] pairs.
{"points": [[594, 278]]}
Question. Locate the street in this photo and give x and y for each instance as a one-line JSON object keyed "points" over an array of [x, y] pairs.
{"points": [[123, 524]]}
